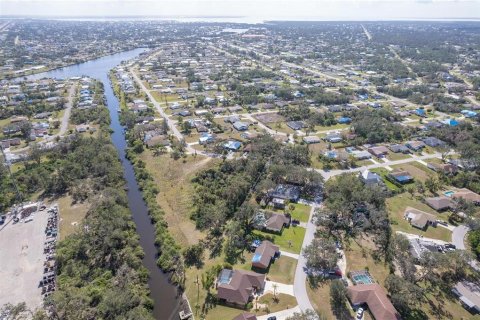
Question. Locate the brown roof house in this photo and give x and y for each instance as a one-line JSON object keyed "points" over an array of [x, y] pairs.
{"points": [[246, 316], [264, 254], [419, 219], [238, 286], [379, 151], [446, 168], [270, 221], [439, 203], [375, 297], [467, 195]]}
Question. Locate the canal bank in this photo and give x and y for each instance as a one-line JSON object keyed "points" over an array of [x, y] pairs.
{"points": [[162, 292]]}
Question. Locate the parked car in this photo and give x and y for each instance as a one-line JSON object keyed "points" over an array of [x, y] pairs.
{"points": [[359, 314]]}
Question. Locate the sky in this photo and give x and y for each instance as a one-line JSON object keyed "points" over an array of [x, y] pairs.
{"points": [[250, 10]]}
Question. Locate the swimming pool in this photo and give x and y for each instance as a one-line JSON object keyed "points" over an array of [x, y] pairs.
{"points": [[361, 277], [449, 193]]}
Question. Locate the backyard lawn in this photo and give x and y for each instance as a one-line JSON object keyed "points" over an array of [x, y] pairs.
{"points": [[301, 212], [396, 207], [383, 172], [282, 270], [290, 240], [359, 257]]}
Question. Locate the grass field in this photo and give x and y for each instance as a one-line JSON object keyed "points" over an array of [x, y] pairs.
{"points": [[320, 299], [396, 207], [392, 156], [70, 215], [173, 178], [290, 240], [301, 212], [415, 169]]}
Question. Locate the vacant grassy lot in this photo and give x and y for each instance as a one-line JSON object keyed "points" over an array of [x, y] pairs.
{"points": [[320, 299], [173, 178], [71, 215], [338, 126], [396, 207], [415, 169], [290, 240], [392, 156]]}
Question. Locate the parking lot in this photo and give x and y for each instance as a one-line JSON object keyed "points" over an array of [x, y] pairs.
{"points": [[22, 259]]}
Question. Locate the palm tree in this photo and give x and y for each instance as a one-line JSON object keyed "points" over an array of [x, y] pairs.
{"points": [[275, 287]]}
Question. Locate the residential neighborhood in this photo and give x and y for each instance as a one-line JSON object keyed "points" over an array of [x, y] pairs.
{"points": [[287, 170]]}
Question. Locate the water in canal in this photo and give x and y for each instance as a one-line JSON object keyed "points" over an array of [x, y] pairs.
{"points": [[162, 292]]}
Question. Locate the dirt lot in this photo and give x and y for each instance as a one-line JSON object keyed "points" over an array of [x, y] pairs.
{"points": [[269, 117], [21, 260]]}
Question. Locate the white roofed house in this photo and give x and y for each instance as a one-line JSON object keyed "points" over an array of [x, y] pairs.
{"points": [[370, 178]]}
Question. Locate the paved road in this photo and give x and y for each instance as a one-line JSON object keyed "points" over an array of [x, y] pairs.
{"points": [[68, 111], [328, 174], [300, 282], [165, 116], [458, 236]]}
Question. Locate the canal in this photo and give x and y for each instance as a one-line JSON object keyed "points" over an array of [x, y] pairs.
{"points": [[163, 294]]}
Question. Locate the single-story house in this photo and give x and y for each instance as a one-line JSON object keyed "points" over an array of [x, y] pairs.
{"points": [[240, 126], [450, 122], [295, 125], [433, 142], [333, 137], [469, 295], [264, 254], [311, 139], [287, 192], [447, 168], [238, 286], [375, 297], [246, 316], [415, 145], [361, 154], [231, 119], [232, 145], [206, 138], [467, 195], [277, 222], [398, 148], [270, 221], [379, 151], [419, 219], [401, 177], [439, 203], [370, 178], [469, 113]]}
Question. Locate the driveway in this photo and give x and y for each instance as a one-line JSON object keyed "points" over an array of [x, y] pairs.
{"points": [[281, 315], [281, 288]]}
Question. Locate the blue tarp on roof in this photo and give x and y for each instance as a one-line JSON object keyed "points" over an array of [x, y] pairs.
{"points": [[344, 120], [256, 258]]}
